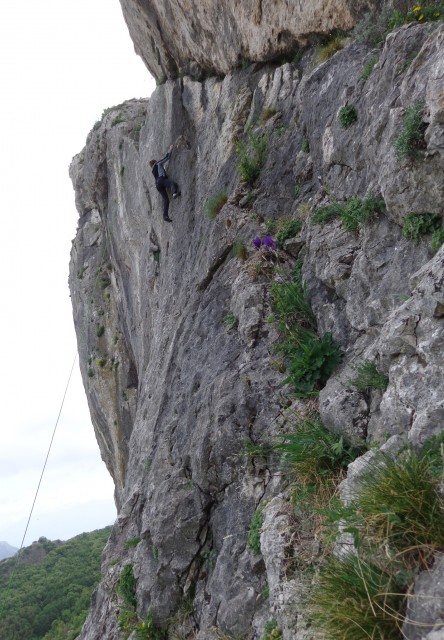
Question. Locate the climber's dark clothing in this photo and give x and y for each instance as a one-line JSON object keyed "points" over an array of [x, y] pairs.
{"points": [[163, 183]]}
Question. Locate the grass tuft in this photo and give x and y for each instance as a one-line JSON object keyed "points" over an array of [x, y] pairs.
{"points": [[354, 213], [251, 155], [215, 203], [411, 138], [368, 377], [347, 116], [415, 225]]}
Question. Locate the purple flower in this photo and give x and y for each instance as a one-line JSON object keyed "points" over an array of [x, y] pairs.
{"points": [[257, 243], [269, 243]]}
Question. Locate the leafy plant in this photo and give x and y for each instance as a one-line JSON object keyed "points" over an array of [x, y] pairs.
{"points": [[368, 67], [251, 156], [305, 146], [415, 225], [100, 331], [215, 204], [354, 213], [347, 116], [254, 533], [368, 377], [411, 138], [310, 359], [230, 321]]}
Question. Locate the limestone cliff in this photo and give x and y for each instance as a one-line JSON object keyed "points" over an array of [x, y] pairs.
{"points": [[174, 392]]}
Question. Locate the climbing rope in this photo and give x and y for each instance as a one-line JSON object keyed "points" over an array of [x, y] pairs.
{"points": [[17, 555]]}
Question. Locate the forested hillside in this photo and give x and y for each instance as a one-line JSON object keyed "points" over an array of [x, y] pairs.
{"points": [[47, 594]]}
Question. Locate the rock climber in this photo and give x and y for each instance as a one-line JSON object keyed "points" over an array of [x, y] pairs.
{"points": [[163, 182]]}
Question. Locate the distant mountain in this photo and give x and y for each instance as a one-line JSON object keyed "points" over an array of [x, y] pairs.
{"points": [[6, 550]]}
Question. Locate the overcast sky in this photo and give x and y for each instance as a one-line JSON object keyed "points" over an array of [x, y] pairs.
{"points": [[61, 64]]}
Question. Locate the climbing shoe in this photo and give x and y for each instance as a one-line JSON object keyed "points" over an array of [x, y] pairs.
{"points": [[176, 194], [167, 219]]}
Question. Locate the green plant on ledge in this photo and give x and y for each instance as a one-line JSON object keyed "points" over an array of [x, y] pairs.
{"points": [[354, 213], [368, 377], [347, 116], [272, 631], [230, 321], [415, 225], [368, 68], [215, 203], [411, 138], [251, 155], [254, 533]]}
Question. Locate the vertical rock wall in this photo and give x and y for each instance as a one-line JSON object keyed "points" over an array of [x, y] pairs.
{"points": [[175, 394]]}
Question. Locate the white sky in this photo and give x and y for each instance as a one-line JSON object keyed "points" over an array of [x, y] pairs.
{"points": [[61, 64]]}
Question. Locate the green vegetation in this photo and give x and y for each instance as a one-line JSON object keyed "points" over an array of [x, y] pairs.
{"points": [[272, 631], [133, 542], [368, 68], [286, 228], [437, 239], [215, 204], [251, 155], [100, 331], [305, 146], [310, 359], [51, 587], [254, 533], [127, 586], [239, 250], [101, 362], [415, 225], [148, 630], [354, 212], [347, 116], [335, 43], [411, 138], [266, 114], [312, 454], [230, 321], [368, 377], [396, 517]]}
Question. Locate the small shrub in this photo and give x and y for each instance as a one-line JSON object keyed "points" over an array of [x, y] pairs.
{"points": [[100, 331], [254, 533], [334, 44], [368, 68], [215, 204], [425, 12], [368, 377], [230, 321], [101, 362], [347, 116], [411, 139], [415, 225], [251, 156]]}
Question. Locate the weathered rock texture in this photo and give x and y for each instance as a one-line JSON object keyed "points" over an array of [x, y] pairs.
{"points": [[174, 393], [200, 36]]}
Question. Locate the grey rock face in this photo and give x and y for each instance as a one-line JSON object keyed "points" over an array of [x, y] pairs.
{"points": [[175, 349], [198, 37]]}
